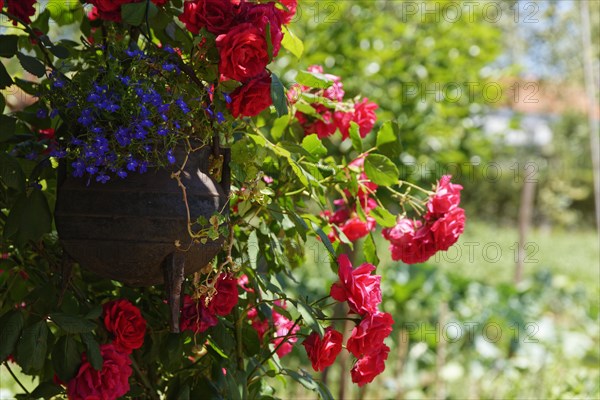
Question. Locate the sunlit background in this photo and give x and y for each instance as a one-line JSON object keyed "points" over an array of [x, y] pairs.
{"points": [[497, 94]]}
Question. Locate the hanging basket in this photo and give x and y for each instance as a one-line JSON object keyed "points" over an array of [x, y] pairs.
{"points": [[127, 229]]}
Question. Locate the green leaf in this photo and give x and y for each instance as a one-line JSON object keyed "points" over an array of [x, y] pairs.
{"points": [[383, 217], [234, 390], [32, 65], [310, 318], [313, 79], [217, 348], [7, 127], [253, 249], [66, 358], [370, 250], [324, 392], [5, 79], [388, 139], [72, 324], [12, 324], [314, 146], [46, 390], [269, 41], [32, 347], [250, 340], [135, 13], [26, 86], [11, 173], [355, 136], [171, 350], [29, 218], [381, 170], [306, 380], [299, 172], [92, 349], [184, 392], [300, 226], [324, 239], [60, 51], [94, 313], [279, 126], [292, 43], [8, 45], [306, 109], [278, 96]]}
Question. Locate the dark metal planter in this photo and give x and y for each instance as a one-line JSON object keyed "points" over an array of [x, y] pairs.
{"points": [[127, 229]]}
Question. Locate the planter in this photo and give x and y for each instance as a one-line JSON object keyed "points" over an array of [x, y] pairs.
{"points": [[127, 229]]}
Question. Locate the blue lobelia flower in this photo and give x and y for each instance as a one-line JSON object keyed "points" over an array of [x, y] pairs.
{"points": [[102, 177], [170, 157]]}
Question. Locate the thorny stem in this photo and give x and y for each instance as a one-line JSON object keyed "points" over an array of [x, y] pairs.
{"points": [[238, 339], [284, 340], [15, 377], [143, 378], [339, 319], [318, 301], [427, 192]]}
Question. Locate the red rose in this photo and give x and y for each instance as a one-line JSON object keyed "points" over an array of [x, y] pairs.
{"points": [[364, 116], [244, 283], [334, 92], [110, 10], [293, 95], [365, 186], [445, 199], [342, 122], [93, 15], [323, 127], [226, 297], [346, 217], [357, 286], [370, 333], [195, 316], [22, 9], [288, 15], [125, 322], [252, 97], [411, 241], [110, 383], [216, 16], [261, 15], [448, 228], [283, 327], [355, 228], [243, 52], [47, 133], [261, 326], [369, 366], [322, 352]]}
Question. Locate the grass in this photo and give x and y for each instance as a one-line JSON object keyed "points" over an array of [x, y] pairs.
{"points": [[487, 253]]}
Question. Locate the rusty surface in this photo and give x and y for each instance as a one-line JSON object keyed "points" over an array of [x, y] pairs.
{"points": [[124, 229]]}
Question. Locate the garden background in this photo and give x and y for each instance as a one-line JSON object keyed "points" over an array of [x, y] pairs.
{"points": [[494, 93]]}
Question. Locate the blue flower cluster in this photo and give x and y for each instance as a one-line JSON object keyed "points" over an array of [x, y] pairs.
{"points": [[128, 121]]}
